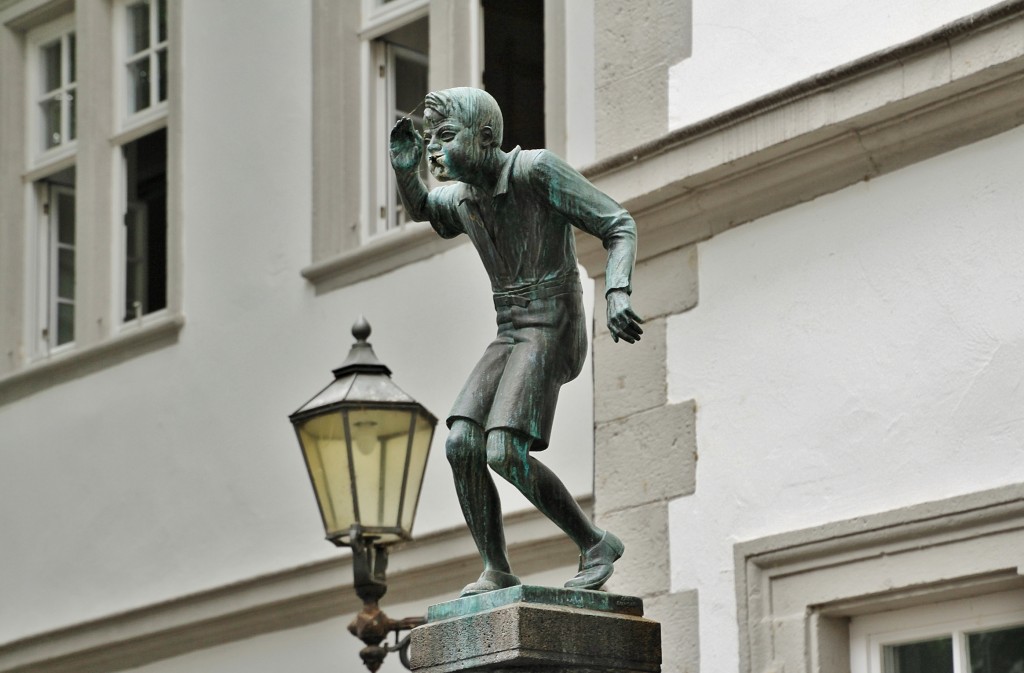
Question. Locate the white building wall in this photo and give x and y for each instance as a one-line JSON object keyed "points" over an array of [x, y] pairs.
{"points": [[743, 50], [848, 356], [178, 471]]}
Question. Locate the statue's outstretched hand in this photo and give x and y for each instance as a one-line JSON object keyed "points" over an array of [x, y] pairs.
{"points": [[406, 147], [623, 323]]}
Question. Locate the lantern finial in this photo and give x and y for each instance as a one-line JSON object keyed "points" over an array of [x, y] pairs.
{"points": [[361, 329], [361, 358]]}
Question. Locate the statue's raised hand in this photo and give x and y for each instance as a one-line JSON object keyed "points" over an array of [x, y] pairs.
{"points": [[406, 146], [623, 323]]}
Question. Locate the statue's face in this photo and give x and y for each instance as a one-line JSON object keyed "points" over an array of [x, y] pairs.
{"points": [[454, 150]]}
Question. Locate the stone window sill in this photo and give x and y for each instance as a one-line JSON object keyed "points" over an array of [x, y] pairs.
{"points": [[415, 242], [133, 340]]}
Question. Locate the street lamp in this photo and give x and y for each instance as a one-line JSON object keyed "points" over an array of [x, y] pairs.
{"points": [[366, 443]]}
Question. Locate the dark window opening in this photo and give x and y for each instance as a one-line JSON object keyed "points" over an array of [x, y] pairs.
{"points": [[514, 68], [145, 221]]}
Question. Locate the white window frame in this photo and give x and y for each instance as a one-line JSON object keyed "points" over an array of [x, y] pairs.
{"points": [[47, 260], [798, 591], [153, 117], [40, 157], [381, 17], [378, 185], [134, 125], [870, 634], [388, 215], [55, 246], [41, 163]]}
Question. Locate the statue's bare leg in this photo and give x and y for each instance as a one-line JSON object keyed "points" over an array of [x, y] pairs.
{"points": [[508, 454], [481, 507]]}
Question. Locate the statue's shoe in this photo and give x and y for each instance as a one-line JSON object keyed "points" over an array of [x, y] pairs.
{"points": [[596, 564], [490, 580]]}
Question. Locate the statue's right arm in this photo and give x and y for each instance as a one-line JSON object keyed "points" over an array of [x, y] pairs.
{"points": [[438, 206], [406, 150]]}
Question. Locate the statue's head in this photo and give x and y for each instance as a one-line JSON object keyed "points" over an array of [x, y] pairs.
{"points": [[463, 130]]}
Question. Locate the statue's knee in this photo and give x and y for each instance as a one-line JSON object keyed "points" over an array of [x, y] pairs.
{"points": [[463, 445], [497, 458], [502, 452]]}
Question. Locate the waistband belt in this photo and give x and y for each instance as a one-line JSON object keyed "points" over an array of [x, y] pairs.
{"points": [[522, 297]]}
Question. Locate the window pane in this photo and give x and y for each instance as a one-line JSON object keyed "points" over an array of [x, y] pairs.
{"points": [[51, 66], [66, 215], [65, 323], [162, 77], [145, 262], [51, 122], [71, 57], [999, 651], [410, 83], [931, 656], [66, 273], [138, 85], [138, 27], [161, 27], [514, 68]]}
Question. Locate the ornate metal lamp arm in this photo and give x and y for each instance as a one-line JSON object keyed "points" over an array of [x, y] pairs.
{"points": [[371, 625]]}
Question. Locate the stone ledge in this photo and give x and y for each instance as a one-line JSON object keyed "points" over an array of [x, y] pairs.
{"points": [[542, 637], [599, 601]]}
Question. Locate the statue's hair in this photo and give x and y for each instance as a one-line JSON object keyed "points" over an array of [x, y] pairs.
{"points": [[473, 107]]}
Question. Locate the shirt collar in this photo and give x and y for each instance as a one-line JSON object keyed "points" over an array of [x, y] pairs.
{"points": [[501, 186]]}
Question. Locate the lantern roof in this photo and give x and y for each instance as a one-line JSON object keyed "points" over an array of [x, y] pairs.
{"points": [[362, 380]]}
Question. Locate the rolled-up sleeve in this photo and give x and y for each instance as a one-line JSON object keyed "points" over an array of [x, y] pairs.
{"points": [[593, 211]]}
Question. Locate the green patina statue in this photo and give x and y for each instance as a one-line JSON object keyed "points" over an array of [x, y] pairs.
{"points": [[517, 208]]}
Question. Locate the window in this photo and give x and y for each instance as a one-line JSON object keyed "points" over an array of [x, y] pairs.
{"points": [[52, 91], [144, 40], [145, 55], [145, 225], [391, 52], [103, 188], [400, 63], [56, 196], [978, 635], [514, 68], [53, 84], [838, 594], [513, 41]]}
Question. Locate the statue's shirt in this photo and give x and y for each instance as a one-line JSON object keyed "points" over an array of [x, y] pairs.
{"points": [[522, 230], [523, 235]]}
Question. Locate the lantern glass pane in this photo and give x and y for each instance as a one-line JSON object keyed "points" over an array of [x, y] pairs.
{"points": [[323, 441], [422, 435], [380, 441]]}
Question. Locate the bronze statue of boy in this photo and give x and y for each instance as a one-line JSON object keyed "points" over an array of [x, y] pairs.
{"points": [[517, 208]]}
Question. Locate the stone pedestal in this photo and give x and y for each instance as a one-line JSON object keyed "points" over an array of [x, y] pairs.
{"points": [[537, 629]]}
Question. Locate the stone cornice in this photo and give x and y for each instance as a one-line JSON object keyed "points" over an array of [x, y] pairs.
{"points": [[436, 564], [945, 89]]}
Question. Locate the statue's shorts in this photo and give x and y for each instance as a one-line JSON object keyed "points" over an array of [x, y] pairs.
{"points": [[541, 344]]}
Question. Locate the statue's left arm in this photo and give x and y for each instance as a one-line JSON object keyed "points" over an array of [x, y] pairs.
{"points": [[598, 214]]}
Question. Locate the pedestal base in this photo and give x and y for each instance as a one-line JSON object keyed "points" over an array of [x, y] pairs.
{"points": [[544, 629]]}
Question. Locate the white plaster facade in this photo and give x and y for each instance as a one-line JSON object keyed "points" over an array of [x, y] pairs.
{"points": [[830, 219]]}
